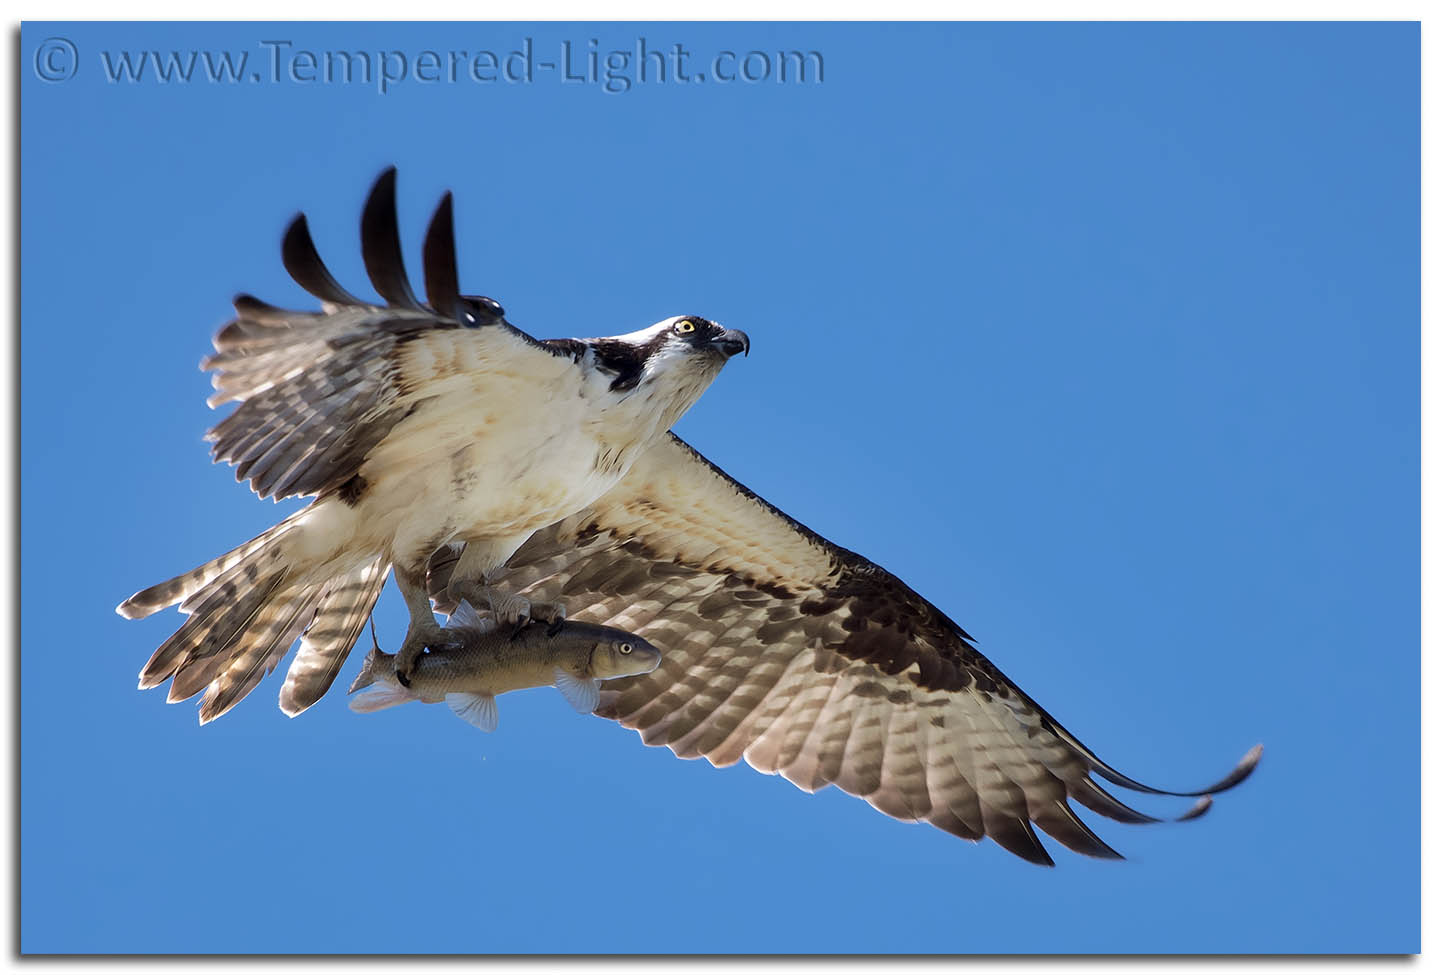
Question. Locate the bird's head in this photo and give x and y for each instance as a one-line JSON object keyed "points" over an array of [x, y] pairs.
{"points": [[670, 363], [687, 339]]}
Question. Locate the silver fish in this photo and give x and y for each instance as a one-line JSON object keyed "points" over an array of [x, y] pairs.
{"points": [[489, 659]]}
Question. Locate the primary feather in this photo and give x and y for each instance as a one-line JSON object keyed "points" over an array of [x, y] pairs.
{"points": [[808, 660]]}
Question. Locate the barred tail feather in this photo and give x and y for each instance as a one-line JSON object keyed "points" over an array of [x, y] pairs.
{"points": [[329, 616], [274, 629], [245, 611], [223, 613], [339, 619], [250, 660], [182, 587]]}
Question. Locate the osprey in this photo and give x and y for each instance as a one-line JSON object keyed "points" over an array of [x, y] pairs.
{"points": [[414, 425], [478, 462]]}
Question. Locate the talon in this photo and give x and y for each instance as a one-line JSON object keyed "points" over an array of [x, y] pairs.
{"points": [[421, 635], [508, 607], [553, 613], [555, 625], [461, 590]]}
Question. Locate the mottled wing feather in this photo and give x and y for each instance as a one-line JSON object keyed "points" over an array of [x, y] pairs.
{"points": [[321, 387], [318, 391], [807, 661]]}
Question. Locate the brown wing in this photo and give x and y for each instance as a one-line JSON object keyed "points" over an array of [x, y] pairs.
{"points": [[319, 390], [810, 661]]}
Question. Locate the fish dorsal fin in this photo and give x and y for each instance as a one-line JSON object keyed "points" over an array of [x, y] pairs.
{"points": [[582, 693], [466, 617], [476, 709]]}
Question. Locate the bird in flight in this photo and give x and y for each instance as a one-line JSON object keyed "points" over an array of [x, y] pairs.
{"points": [[414, 425], [540, 477]]}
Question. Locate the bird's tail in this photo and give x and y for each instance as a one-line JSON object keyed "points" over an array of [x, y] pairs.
{"points": [[246, 608], [339, 620], [243, 565]]}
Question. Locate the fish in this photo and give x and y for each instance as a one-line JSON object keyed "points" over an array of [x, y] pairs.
{"points": [[487, 659]]}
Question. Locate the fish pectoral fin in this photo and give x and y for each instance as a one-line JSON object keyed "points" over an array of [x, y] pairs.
{"points": [[477, 709], [379, 699], [582, 693]]}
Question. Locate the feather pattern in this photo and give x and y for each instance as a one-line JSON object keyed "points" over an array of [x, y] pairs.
{"points": [[339, 619], [810, 662], [411, 426], [317, 394], [318, 391]]}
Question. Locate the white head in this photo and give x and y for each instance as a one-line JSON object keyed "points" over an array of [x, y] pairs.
{"points": [[671, 362]]}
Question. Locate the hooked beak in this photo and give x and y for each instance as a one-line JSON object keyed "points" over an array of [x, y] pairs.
{"points": [[732, 341]]}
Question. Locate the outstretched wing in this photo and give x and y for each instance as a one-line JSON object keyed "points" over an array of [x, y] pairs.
{"points": [[319, 390], [811, 661]]}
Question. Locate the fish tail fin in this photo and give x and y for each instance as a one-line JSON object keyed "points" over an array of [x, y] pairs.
{"points": [[367, 675], [386, 696]]}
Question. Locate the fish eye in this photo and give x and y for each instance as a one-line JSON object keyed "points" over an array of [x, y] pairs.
{"points": [[626, 648], [684, 327]]}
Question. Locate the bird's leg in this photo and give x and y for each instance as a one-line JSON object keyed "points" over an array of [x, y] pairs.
{"points": [[553, 614], [511, 607], [423, 630], [470, 581]]}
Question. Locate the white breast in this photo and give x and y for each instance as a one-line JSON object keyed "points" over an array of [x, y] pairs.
{"points": [[495, 450]]}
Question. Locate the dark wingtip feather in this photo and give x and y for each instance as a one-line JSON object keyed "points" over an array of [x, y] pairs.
{"points": [[1062, 823], [1235, 777], [381, 244], [1198, 810], [1244, 769], [252, 308], [1015, 835], [303, 263], [443, 284], [1099, 800], [950, 822]]}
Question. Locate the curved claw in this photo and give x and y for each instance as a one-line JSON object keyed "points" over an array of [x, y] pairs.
{"points": [[420, 637]]}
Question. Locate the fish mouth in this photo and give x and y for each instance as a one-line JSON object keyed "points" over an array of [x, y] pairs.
{"points": [[646, 666]]}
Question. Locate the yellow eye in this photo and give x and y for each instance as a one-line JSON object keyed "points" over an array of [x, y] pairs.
{"points": [[685, 327], [626, 648]]}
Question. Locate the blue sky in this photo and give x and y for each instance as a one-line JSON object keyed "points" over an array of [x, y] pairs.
{"points": [[1103, 337]]}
